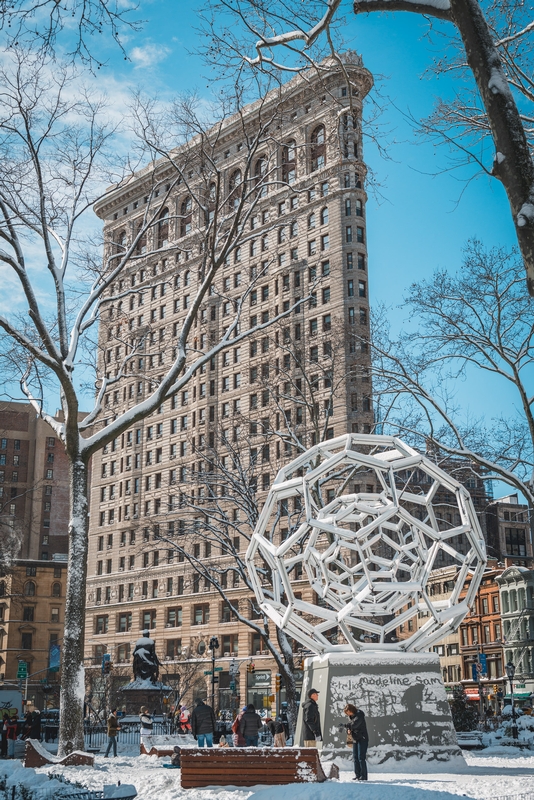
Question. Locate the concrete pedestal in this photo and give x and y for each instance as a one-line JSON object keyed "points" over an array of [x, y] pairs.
{"points": [[404, 700], [140, 693]]}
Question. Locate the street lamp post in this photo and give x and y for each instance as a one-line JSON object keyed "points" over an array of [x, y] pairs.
{"points": [[510, 671], [213, 645]]}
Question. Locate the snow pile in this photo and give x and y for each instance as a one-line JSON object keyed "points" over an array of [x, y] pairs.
{"points": [[356, 791]]}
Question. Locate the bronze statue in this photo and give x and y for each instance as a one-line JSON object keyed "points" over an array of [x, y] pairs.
{"points": [[145, 661]]}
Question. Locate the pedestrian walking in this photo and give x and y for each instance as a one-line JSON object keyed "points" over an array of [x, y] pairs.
{"points": [[35, 732], [147, 724], [113, 730], [184, 718], [236, 736], [5, 720], [27, 726], [203, 723], [311, 719], [250, 726], [276, 727], [360, 740], [12, 730]]}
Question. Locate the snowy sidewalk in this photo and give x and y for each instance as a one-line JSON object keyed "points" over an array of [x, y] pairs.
{"points": [[488, 774]]}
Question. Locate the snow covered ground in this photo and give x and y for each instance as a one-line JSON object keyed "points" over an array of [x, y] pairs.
{"points": [[496, 772]]}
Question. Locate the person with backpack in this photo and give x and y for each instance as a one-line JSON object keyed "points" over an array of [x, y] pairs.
{"points": [[360, 740]]}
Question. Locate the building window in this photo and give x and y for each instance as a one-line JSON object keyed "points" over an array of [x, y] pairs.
{"points": [[101, 624], [28, 614], [318, 148], [54, 615], [174, 617], [201, 614], [26, 641], [29, 589]]}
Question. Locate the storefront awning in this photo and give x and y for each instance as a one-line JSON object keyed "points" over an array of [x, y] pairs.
{"points": [[518, 696]]}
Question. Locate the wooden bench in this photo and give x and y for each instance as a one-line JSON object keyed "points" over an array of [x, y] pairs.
{"points": [[248, 766], [155, 750], [35, 755]]}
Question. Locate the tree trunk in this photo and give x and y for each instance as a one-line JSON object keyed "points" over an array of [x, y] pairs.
{"points": [[72, 667], [514, 166]]}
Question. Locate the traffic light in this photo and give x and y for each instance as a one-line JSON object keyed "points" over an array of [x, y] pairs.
{"points": [[495, 688], [277, 682], [108, 666], [251, 667]]}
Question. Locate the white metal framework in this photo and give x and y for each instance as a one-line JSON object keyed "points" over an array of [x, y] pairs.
{"points": [[364, 519]]}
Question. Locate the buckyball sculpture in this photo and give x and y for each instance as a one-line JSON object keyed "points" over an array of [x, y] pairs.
{"points": [[366, 554], [364, 519]]}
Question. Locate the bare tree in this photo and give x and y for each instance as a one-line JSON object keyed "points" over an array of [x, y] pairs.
{"points": [[297, 395], [60, 154], [492, 45], [39, 23], [477, 322]]}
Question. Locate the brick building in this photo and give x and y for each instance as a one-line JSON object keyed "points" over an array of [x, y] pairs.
{"points": [[306, 239], [33, 527]]}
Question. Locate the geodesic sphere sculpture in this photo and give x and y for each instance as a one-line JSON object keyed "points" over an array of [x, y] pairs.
{"points": [[345, 544]]}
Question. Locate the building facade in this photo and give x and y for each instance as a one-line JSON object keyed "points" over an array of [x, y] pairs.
{"points": [[179, 492], [516, 590], [509, 531], [33, 529]]}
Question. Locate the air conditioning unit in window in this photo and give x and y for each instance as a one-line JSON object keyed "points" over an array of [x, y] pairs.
{"points": [[136, 516], [173, 455], [128, 469], [143, 597], [169, 594], [265, 652], [97, 603], [258, 652], [226, 654], [168, 625], [127, 491], [121, 569]]}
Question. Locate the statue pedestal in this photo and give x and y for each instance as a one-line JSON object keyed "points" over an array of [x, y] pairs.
{"points": [[404, 701], [140, 693]]}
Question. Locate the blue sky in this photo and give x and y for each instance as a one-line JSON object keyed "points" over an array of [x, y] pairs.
{"points": [[424, 214]]}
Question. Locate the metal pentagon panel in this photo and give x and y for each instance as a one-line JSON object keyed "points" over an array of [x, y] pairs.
{"points": [[364, 557]]}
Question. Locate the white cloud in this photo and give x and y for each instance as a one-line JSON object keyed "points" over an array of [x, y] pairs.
{"points": [[148, 55]]}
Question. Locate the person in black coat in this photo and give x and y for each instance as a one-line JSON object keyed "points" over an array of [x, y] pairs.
{"points": [[203, 724], [360, 740], [36, 725], [311, 719], [250, 726]]}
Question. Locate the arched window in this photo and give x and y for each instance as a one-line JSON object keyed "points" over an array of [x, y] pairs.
{"points": [[141, 242], [311, 221], [289, 171], [324, 216], [163, 228], [29, 589], [212, 199], [186, 213], [260, 172], [293, 229], [349, 131], [318, 148], [233, 188], [187, 278], [56, 590], [120, 240]]}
